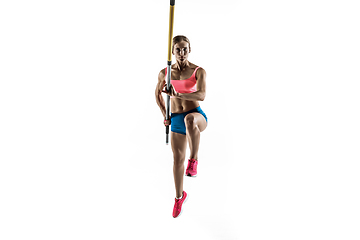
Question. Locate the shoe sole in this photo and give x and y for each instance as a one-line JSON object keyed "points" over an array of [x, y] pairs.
{"points": [[182, 207], [191, 175]]}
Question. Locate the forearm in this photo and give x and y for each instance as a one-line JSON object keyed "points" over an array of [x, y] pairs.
{"points": [[195, 96], [161, 103]]}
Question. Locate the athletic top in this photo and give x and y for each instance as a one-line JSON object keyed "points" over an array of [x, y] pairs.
{"points": [[186, 85]]}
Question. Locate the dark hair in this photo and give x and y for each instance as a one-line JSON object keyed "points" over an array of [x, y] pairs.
{"points": [[178, 39]]}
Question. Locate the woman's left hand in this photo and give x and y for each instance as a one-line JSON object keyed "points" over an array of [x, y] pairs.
{"points": [[172, 92]]}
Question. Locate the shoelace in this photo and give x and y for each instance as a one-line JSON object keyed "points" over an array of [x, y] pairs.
{"points": [[177, 203], [191, 166]]}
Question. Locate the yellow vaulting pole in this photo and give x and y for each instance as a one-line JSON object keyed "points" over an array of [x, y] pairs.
{"points": [[171, 26]]}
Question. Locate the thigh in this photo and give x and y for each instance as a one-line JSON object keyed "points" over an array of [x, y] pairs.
{"points": [[178, 145], [177, 123], [199, 120]]}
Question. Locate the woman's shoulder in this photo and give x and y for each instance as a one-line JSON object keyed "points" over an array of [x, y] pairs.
{"points": [[194, 66], [161, 76], [162, 72], [200, 72]]}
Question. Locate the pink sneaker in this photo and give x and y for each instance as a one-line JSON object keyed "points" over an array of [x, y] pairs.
{"points": [[191, 169], [178, 205]]}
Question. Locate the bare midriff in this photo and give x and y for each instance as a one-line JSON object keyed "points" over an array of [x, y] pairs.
{"points": [[181, 105]]}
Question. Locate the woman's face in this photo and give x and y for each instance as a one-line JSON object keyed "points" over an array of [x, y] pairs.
{"points": [[181, 51]]}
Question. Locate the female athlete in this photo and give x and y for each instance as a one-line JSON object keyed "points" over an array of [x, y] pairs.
{"points": [[188, 87]]}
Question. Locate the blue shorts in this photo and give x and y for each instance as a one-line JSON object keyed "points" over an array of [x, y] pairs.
{"points": [[178, 123]]}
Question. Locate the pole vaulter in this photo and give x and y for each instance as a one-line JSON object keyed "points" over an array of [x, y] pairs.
{"points": [[187, 87], [171, 26]]}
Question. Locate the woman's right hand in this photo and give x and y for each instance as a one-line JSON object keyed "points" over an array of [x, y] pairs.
{"points": [[167, 122]]}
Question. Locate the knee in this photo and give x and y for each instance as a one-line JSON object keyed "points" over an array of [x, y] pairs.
{"points": [[190, 121], [179, 160]]}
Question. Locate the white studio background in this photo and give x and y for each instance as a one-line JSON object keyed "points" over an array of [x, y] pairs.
{"points": [[83, 152]]}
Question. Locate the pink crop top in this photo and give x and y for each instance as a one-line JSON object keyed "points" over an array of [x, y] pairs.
{"points": [[186, 85]]}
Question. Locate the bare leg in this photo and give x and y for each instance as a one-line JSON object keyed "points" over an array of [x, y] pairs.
{"points": [[178, 144], [195, 123], [193, 136]]}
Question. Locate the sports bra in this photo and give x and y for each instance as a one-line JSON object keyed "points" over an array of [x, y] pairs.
{"points": [[186, 85]]}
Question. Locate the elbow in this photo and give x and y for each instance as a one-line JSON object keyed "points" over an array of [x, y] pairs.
{"points": [[202, 97]]}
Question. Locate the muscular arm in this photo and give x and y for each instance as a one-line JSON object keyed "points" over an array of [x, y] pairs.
{"points": [[159, 98], [200, 93]]}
